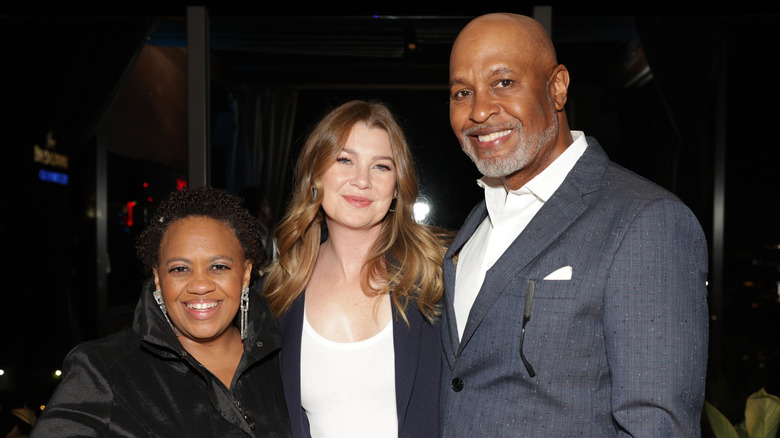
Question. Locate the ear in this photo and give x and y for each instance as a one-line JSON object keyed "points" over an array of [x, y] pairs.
{"points": [[559, 86], [156, 279], [247, 273]]}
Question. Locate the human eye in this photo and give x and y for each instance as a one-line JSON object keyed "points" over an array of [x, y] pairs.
{"points": [[220, 267], [503, 83], [460, 94], [384, 167], [384, 164], [178, 270], [343, 160]]}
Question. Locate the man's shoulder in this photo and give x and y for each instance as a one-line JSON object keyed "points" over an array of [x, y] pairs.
{"points": [[618, 182], [626, 194]]}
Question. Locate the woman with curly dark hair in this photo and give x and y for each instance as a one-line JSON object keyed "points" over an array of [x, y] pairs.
{"points": [[202, 356]]}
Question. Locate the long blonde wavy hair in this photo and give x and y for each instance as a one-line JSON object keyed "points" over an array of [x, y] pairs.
{"points": [[406, 257]]}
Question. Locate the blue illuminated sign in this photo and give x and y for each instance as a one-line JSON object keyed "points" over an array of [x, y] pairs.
{"points": [[53, 177]]}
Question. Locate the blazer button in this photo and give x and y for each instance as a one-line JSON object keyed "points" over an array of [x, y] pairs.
{"points": [[457, 384]]}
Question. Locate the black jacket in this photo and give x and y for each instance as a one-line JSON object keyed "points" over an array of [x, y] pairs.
{"points": [[417, 351], [142, 383]]}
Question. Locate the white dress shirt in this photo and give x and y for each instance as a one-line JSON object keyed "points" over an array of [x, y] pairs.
{"points": [[508, 214]]}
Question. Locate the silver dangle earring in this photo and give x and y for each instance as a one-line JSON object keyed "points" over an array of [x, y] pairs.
{"points": [[244, 317], [158, 297], [314, 193]]}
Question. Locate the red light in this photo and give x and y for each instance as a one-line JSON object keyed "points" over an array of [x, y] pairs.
{"points": [[130, 206], [146, 185]]}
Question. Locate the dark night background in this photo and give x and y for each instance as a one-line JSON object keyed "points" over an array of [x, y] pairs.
{"points": [[667, 92]]}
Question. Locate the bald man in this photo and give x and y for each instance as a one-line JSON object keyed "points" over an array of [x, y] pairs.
{"points": [[575, 293]]}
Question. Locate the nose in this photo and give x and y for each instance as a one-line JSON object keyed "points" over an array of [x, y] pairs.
{"points": [[483, 107], [200, 284], [362, 177]]}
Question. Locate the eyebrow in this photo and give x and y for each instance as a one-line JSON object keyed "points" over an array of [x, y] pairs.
{"points": [[496, 71], [186, 260], [500, 71], [376, 157], [454, 82]]}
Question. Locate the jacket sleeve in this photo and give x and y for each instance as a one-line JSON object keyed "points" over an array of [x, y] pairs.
{"points": [[656, 323], [81, 404]]}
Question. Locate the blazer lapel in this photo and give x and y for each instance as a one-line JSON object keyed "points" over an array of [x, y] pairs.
{"points": [[291, 326], [406, 344], [449, 326], [557, 214]]}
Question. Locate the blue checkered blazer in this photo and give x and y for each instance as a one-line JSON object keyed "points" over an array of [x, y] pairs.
{"points": [[620, 349]]}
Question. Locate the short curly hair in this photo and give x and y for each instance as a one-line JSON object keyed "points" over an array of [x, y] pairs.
{"points": [[207, 202]]}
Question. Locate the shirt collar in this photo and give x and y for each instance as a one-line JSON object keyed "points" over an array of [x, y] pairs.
{"points": [[548, 180]]}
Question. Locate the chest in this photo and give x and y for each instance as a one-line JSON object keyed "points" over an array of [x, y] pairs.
{"points": [[158, 398]]}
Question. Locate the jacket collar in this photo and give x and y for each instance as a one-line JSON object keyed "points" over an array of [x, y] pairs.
{"points": [[582, 180]]}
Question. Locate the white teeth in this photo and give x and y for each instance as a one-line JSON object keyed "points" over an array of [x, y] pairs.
{"points": [[494, 135], [203, 306]]}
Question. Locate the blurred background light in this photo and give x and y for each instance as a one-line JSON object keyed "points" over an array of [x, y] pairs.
{"points": [[421, 210]]}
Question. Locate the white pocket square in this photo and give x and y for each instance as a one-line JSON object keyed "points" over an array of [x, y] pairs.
{"points": [[563, 273]]}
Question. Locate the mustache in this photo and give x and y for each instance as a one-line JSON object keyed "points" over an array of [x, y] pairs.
{"points": [[491, 126]]}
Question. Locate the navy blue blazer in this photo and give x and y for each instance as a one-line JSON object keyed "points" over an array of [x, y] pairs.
{"points": [[618, 344], [417, 372]]}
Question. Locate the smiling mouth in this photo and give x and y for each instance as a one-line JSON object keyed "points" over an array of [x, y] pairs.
{"points": [[494, 135], [357, 201], [203, 306]]}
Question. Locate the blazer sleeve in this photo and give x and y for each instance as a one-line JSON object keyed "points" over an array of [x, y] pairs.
{"points": [[80, 406], [656, 323]]}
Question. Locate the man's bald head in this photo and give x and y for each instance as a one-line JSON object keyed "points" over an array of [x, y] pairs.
{"points": [[527, 35]]}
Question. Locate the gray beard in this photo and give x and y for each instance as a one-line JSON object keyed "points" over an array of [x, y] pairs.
{"points": [[526, 149]]}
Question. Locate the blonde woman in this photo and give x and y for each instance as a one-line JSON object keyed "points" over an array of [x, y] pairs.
{"points": [[356, 285]]}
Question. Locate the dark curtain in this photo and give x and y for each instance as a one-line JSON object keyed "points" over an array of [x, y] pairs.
{"points": [[260, 154]]}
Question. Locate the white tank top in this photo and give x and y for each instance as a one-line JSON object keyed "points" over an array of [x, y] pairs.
{"points": [[348, 388]]}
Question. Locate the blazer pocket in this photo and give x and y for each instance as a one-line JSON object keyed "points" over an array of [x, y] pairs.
{"points": [[563, 273], [545, 289]]}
